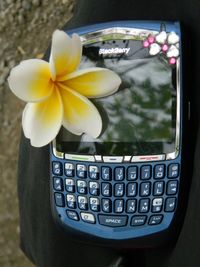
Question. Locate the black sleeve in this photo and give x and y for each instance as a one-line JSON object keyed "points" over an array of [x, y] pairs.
{"points": [[41, 240]]}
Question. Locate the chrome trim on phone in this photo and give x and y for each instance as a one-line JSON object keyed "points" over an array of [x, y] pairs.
{"points": [[117, 33], [57, 153], [131, 34], [175, 153]]}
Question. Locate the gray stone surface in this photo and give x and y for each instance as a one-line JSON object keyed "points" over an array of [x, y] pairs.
{"points": [[25, 32]]}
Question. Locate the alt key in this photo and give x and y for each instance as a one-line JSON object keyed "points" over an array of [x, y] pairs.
{"points": [[72, 215]]}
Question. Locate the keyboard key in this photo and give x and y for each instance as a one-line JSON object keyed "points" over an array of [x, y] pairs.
{"points": [[82, 203], [98, 158], [70, 185], [113, 159], [132, 189], [79, 157], [145, 172], [82, 187], [69, 169], [106, 205], [81, 170], [57, 168], [159, 171], [157, 204], [94, 172], [94, 204], [170, 204], [106, 189], [73, 215], [145, 189], [173, 170], [131, 205], [59, 199], [172, 187], [119, 205], [58, 184], [71, 201], [138, 220], [144, 205], [106, 173], [132, 173], [158, 188], [119, 174], [119, 190], [155, 219], [94, 188], [88, 217], [113, 220]]}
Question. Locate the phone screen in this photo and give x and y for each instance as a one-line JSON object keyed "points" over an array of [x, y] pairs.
{"points": [[140, 118]]}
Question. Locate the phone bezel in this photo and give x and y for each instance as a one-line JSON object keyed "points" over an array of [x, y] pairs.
{"points": [[125, 33]]}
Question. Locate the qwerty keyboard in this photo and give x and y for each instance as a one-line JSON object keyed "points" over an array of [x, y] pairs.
{"points": [[116, 195]]}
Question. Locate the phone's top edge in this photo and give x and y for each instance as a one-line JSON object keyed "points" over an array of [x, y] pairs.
{"points": [[146, 25]]}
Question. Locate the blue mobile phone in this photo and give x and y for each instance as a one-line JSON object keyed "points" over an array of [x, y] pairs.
{"points": [[124, 187]]}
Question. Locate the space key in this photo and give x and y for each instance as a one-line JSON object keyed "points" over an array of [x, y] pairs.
{"points": [[113, 221]]}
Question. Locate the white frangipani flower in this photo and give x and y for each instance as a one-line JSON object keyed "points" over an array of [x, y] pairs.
{"points": [[57, 93]]}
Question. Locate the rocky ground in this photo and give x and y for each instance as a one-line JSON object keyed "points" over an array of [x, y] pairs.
{"points": [[26, 27]]}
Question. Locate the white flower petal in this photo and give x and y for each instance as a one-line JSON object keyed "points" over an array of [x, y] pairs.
{"points": [[173, 51], [80, 114], [154, 49], [30, 80], [93, 82], [173, 38], [66, 53], [71, 128], [161, 37], [27, 130], [41, 122]]}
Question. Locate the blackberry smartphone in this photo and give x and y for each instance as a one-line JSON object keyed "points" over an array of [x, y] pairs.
{"points": [[124, 187]]}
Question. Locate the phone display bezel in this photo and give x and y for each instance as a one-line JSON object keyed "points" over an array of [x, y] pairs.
{"points": [[126, 33]]}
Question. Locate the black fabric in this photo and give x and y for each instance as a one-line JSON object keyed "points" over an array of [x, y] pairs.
{"points": [[41, 240]]}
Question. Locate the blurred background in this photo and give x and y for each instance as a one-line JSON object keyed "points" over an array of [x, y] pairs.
{"points": [[26, 27]]}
